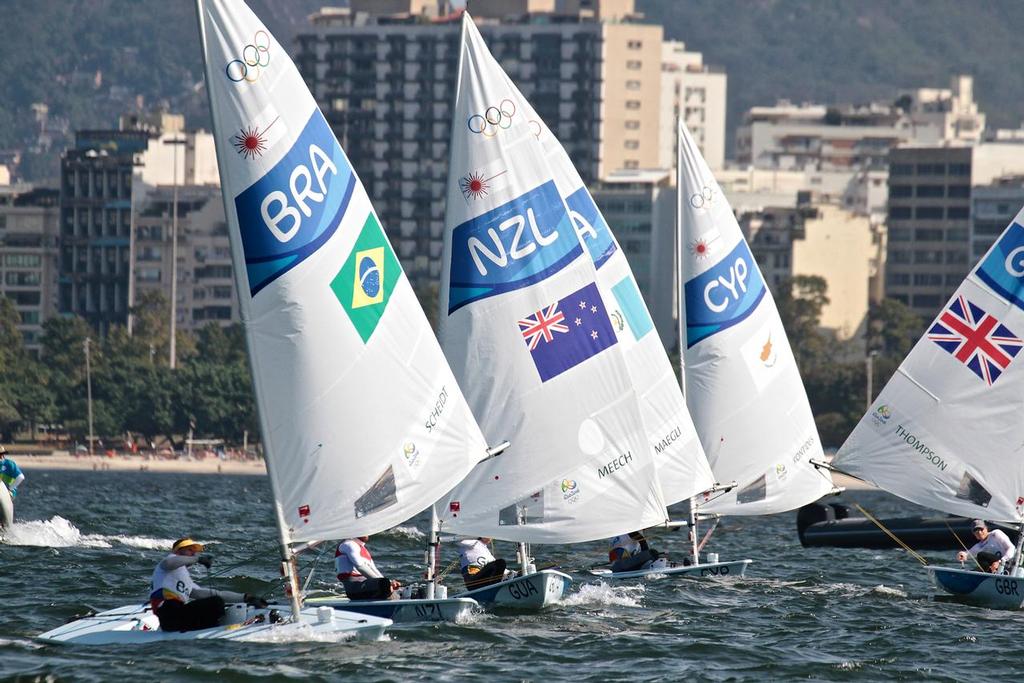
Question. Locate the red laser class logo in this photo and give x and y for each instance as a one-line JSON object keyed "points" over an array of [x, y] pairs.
{"points": [[475, 186], [250, 141]]}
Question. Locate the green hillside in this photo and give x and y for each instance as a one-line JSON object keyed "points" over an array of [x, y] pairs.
{"points": [[830, 51]]}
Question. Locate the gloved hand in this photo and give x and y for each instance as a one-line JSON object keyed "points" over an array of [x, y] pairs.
{"points": [[14, 492], [255, 600], [205, 560]]}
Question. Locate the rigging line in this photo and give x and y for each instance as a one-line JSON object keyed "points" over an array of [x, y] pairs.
{"points": [[980, 568], [316, 560], [231, 567], [891, 535]]}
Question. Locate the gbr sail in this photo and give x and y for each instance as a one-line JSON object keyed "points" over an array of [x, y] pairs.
{"points": [[362, 420], [742, 384], [683, 468], [530, 337], [947, 431]]}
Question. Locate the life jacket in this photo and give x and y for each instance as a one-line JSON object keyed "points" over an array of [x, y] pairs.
{"points": [[474, 555], [628, 547], [345, 559], [170, 584]]}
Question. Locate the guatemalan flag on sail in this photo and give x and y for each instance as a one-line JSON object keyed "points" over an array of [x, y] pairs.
{"points": [[568, 332]]}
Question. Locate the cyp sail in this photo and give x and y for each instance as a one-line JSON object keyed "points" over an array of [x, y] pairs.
{"points": [[742, 384], [362, 420], [530, 336], [946, 431]]}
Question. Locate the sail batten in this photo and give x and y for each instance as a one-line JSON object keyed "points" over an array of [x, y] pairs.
{"points": [[742, 385], [527, 328], [946, 431], [363, 423]]}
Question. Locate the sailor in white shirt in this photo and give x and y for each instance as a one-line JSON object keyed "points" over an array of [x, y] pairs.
{"points": [[992, 546], [358, 572], [479, 568]]}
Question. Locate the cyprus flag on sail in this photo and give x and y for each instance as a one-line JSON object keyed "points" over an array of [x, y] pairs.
{"points": [[742, 384], [362, 421], [531, 337]]}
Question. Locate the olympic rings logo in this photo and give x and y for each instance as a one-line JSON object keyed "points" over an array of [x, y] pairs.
{"points": [[703, 198], [493, 118], [255, 56]]}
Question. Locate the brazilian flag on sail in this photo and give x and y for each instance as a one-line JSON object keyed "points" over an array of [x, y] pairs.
{"points": [[366, 280]]}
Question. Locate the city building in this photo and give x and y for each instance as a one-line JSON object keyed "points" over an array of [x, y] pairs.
{"points": [[384, 76], [930, 247], [993, 206], [29, 256], [944, 114], [96, 203], [206, 289], [696, 92]]}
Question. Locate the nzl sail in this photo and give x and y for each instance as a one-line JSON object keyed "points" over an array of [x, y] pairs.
{"points": [[530, 336], [742, 384], [682, 466], [362, 420], [947, 431]]}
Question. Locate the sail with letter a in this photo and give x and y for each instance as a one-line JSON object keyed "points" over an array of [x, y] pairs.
{"points": [[742, 384], [683, 468], [363, 422], [530, 338], [947, 431]]}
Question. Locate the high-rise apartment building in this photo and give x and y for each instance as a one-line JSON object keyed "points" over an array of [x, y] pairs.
{"points": [[28, 257], [384, 75], [930, 189], [696, 92], [993, 206], [206, 288], [96, 203]]}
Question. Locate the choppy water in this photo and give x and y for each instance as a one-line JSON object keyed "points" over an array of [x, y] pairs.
{"points": [[91, 539]]}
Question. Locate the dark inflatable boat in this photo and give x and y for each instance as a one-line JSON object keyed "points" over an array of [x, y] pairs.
{"points": [[820, 525]]}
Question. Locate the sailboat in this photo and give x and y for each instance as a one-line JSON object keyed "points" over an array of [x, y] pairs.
{"points": [[6, 508], [362, 421], [741, 381], [527, 326], [946, 431]]}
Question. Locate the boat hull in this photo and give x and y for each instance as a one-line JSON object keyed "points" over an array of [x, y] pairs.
{"points": [[136, 624], [403, 611], [532, 591], [712, 569], [997, 591]]}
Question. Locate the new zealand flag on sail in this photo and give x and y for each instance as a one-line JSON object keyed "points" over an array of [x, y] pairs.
{"points": [[568, 332], [976, 339]]}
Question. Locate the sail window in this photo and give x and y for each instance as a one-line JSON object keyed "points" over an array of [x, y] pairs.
{"points": [[972, 490], [754, 491], [529, 510], [382, 494]]}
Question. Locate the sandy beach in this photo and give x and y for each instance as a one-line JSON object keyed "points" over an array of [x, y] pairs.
{"points": [[138, 463]]}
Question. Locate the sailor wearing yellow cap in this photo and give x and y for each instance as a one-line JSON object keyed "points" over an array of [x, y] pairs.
{"points": [[178, 602]]}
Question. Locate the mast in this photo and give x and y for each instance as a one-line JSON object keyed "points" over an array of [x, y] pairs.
{"points": [[433, 543], [287, 556]]}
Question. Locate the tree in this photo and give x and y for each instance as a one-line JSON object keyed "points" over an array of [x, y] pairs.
{"points": [[800, 301], [893, 328]]}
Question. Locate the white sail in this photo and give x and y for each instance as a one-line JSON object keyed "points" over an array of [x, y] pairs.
{"points": [[363, 423], [742, 384], [947, 431], [528, 335], [683, 468]]}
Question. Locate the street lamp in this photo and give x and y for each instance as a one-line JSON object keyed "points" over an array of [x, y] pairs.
{"points": [[172, 354], [869, 361], [88, 389]]}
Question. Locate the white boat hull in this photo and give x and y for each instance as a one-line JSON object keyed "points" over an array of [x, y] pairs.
{"points": [[998, 591], [532, 591], [6, 508], [136, 624], [713, 569], [402, 611]]}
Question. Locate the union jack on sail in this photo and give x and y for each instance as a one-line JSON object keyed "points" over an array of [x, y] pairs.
{"points": [[976, 339], [541, 325]]}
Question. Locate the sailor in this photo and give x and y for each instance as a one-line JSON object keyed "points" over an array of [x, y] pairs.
{"points": [[178, 602], [629, 552], [10, 473], [479, 568], [992, 546], [358, 573]]}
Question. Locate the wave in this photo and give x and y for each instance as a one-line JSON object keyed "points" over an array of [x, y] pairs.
{"points": [[602, 594], [58, 532], [405, 532]]}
